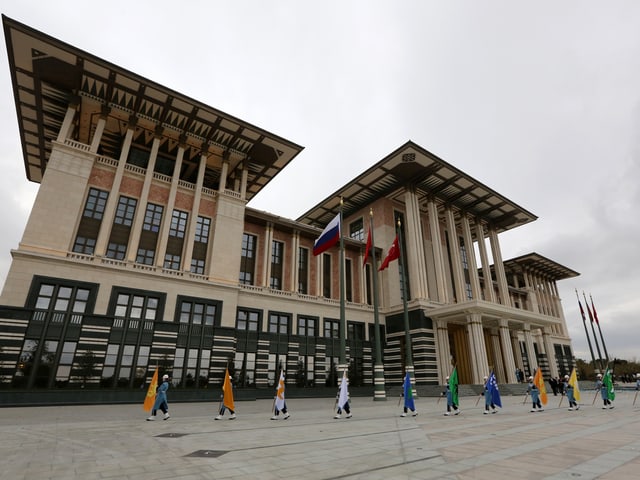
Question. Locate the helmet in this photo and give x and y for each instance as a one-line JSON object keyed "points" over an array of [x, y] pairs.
{"points": [[566, 376], [486, 378], [165, 377], [530, 378], [447, 378], [599, 375], [638, 375]]}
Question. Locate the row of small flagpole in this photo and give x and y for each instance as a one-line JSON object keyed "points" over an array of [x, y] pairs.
{"points": [[593, 315]]}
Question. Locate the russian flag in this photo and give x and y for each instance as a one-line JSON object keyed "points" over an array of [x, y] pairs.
{"points": [[329, 236]]}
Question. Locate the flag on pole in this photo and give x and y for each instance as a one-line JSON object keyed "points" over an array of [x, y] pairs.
{"points": [[343, 398], [538, 381], [493, 391], [227, 392], [329, 236], [595, 314], [280, 392], [367, 249], [573, 381], [408, 393], [393, 254], [453, 384], [150, 399], [608, 382]]}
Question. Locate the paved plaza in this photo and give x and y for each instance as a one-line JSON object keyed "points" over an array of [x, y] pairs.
{"points": [[115, 441]]}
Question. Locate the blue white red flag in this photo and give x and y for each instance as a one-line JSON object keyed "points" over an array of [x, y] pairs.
{"points": [[329, 236], [493, 391]]}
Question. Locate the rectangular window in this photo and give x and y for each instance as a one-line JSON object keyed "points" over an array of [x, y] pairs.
{"points": [[307, 326], [90, 223], [277, 253], [247, 320], [245, 367], [331, 329], [247, 259], [279, 323], [201, 240], [153, 218], [197, 313], [303, 270], [326, 275], [202, 229], [348, 287], [125, 211], [197, 266], [356, 230], [116, 251], [145, 257], [178, 224], [171, 262]]}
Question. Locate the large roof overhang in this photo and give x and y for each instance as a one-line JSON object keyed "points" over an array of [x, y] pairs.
{"points": [[411, 166], [49, 75], [535, 262]]}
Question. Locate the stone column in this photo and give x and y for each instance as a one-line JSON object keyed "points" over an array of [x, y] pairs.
{"points": [[436, 243], [456, 262], [478, 354], [443, 349], [114, 194], [97, 135], [190, 234], [507, 351], [531, 351], [266, 257], [471, 258], [551, 354], [501, 278], [517, 352], [141, 209], [67, 123], [417, 275], [489, 294]]}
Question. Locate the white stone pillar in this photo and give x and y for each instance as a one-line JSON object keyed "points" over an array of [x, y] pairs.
{"points": [[456, 262], [294, 255], [531, 352], [163, 234], [501, 278], [190, 234], [507, 351], [517, 352], [443, 349], [478, 353], [97, 135], [114, 195], [266, 257], [417, 275], [141, 210], [67, 123], [436, 243], [550, 351], [489, 294], [471, 258], [243, 181]]}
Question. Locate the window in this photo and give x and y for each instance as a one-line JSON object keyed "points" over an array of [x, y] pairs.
{"points": [[277, 251], [90, 223], [247, 320], [178, 224], [276, 363], [137, 307], [326, 275], [247, 259], [303, 270], [172, 262], [152, 218], [66, 361], [116, 251], [245, 367], [355, 331], [307, 326], [279, 323], [201, 239], [331, 329], [356, 230], [347, 280], [202, 229], [125, 211], [145, 257], [197, 313]]}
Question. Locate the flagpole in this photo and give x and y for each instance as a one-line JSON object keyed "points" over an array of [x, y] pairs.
{"points": [[606, 354], [407, 346], [595, 339], [378, 368], [586, 332], [343, 332]]}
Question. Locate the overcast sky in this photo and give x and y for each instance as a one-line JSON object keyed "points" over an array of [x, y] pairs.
{"points": [[538, 100]]}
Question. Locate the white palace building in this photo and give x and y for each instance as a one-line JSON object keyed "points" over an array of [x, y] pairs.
{"points": [[142, 250]]}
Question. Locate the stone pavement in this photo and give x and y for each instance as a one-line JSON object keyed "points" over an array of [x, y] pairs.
{"points": [[115, 442]]}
